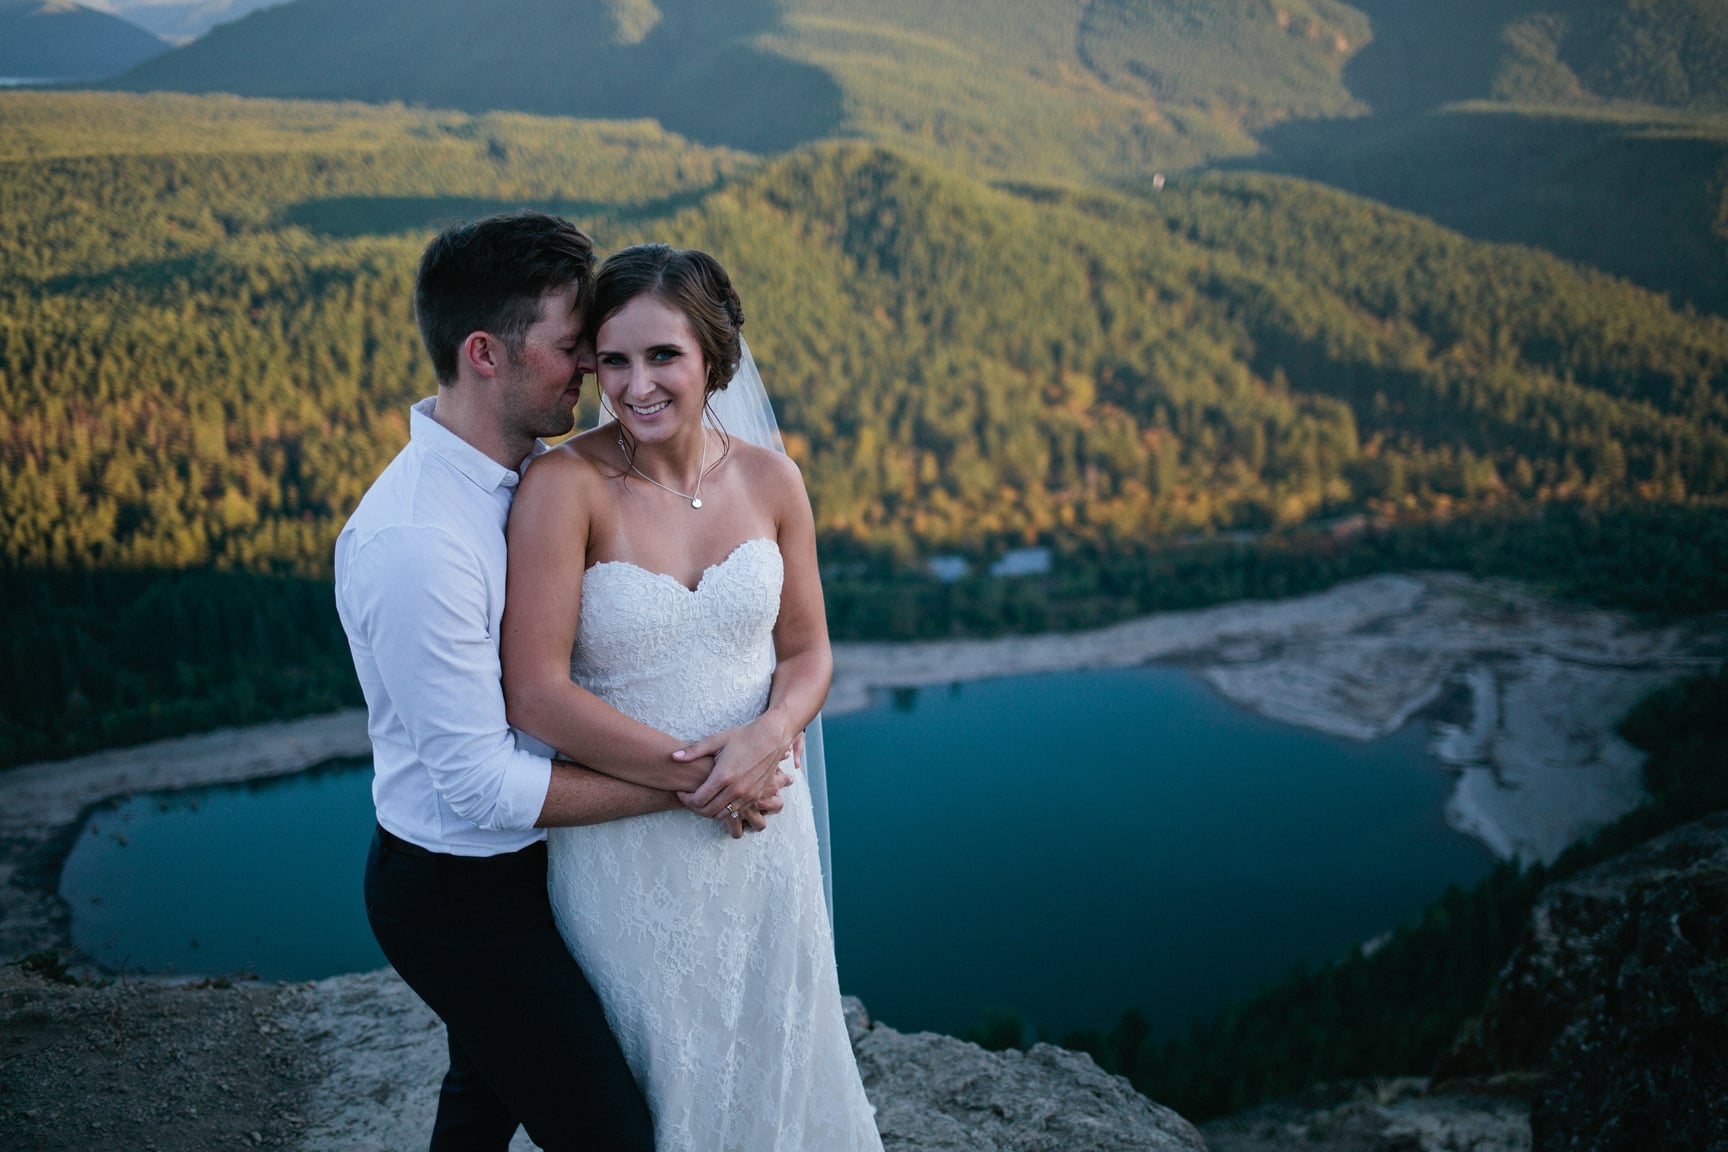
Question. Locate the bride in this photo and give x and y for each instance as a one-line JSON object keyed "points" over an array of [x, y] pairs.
{"points": [[662, 566]]}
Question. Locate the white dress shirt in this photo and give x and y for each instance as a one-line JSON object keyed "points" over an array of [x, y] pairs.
{"points": [[420, 590]]}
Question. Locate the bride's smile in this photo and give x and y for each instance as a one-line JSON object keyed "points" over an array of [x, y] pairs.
{"points": [[654, 378]]}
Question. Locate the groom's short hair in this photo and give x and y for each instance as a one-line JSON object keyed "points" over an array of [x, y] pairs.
{"points": [[489, 275]]}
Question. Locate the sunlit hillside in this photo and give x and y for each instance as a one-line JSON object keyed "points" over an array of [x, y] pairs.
{"points": [[205, 346], [956, 361]]}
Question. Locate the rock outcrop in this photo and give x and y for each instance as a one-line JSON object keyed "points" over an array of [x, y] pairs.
{"points": [[383, 1052], [937, 1094], [1617, 1000], [352, 1064], [1400, 1115]]}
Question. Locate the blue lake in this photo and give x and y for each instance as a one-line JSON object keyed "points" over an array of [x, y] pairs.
{"points": [[1064, 845]]}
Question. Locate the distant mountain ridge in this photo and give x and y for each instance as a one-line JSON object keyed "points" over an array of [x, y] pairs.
{"points": [[684, 63], [181, 21], [1612, 114], [61, 40], [1149, 82]]}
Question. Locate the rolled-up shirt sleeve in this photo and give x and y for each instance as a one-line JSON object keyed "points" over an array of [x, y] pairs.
{"points": [[419, 597]]}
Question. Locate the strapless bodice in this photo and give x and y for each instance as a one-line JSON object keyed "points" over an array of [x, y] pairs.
{"points": [[690, 662]]}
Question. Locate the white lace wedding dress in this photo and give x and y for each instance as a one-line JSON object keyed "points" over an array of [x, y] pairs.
{"points": [[713, 957]]}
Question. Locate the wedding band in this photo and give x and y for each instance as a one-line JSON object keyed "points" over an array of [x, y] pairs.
{"points": [[731, 811]]}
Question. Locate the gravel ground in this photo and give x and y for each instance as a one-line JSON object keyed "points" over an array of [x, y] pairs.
{"points": [[136, 1065]]}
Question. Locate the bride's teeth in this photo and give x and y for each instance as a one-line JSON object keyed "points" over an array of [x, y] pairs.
{"points": [[650, 410]]}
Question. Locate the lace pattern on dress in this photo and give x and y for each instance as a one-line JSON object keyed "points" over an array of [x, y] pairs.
{"points": [[714, 958]]}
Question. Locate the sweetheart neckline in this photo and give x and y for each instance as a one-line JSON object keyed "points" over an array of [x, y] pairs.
{"points": [[706, 572]]}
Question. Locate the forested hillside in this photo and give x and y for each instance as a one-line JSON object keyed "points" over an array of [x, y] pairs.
{"points": [[206, 350], [1639, 193], [1666, 53], [206, 356]]}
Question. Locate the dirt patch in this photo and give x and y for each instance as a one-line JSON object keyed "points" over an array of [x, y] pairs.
{"points": [[136, 1065]]}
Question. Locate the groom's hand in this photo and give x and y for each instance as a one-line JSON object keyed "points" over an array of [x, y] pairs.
{"points": [[690, 772]]}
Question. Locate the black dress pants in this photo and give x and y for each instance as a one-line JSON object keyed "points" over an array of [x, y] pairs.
{"points": [[529, 1043]]}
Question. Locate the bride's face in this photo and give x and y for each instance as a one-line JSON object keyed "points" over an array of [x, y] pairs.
{"points": [[651, 369]]}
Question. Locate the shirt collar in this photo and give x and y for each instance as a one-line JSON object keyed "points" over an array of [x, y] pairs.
{"points": [[485, 472]]}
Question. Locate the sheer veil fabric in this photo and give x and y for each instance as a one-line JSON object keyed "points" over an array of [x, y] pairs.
{"points": [[742, 409]]}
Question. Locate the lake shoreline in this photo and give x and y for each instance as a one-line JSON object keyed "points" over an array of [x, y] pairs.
{"points": [[1521, 694]]}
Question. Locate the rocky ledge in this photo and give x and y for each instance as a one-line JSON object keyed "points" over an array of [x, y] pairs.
{"points": [[380, 1052], [351, 1064]]}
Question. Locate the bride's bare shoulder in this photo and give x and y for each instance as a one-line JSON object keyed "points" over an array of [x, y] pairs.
{"points": [[577, 462], [766, 466], [776, 477]]}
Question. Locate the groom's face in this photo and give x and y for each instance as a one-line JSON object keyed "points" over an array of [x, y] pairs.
{"points": [[544, 379]]}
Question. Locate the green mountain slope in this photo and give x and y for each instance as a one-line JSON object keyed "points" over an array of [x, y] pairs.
{"points": [[1666, 53], [957, 363], [1263, 62], [61, 40], [1594, 129], [1639, 194], [205, 354]]}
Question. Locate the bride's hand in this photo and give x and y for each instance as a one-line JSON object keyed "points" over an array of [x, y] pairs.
{"points": [[746, 761], [754, 817]]}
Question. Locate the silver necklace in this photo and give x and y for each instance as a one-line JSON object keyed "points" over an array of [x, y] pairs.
{"points": [[695, 497]]}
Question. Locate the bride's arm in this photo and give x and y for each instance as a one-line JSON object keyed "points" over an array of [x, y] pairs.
{"points": [[548, 538], [746, 757]]}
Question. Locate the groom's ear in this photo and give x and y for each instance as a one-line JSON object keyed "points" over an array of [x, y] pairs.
{"points": [[483, 353]]}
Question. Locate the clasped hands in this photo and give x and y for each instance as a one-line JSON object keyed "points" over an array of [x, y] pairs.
{"points": [[746, 777]]}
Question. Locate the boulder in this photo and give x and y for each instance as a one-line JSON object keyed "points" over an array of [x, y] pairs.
{"points": [[934, 1093], [1617, 999]]}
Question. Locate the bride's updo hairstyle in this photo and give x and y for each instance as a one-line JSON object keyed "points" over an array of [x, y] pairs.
{"points": [[687, 279]]}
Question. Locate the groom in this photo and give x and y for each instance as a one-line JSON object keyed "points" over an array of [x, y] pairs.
{"points": [[456, 876]]}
